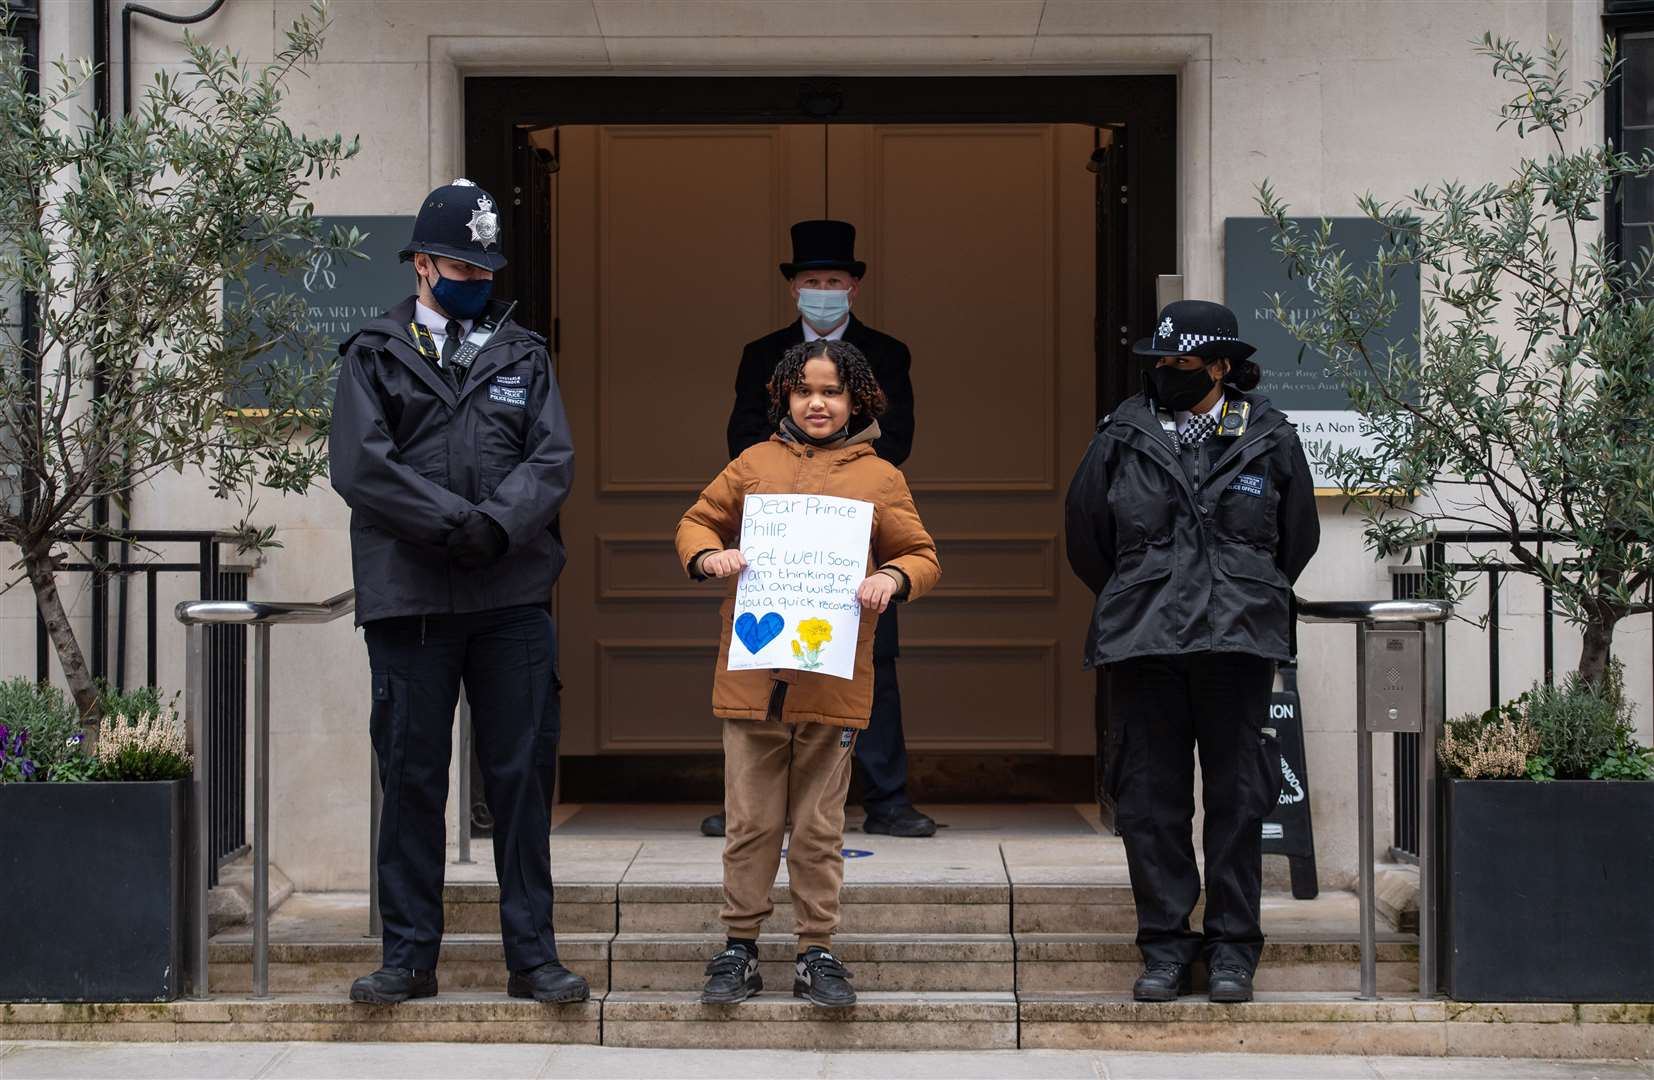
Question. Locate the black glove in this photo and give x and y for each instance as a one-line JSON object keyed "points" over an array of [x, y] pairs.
{"points": [[478, 541]]}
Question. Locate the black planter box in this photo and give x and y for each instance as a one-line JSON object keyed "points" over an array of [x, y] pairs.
{"points": [[1546, 890], [91, 891]]}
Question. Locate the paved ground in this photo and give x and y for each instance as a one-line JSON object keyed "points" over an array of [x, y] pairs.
{"points": [[405, 1061]]}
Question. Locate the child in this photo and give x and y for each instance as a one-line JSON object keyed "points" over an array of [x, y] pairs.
{"points": [[789, 735]]}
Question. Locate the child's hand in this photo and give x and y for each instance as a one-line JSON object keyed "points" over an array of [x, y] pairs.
{"points": [[722, 564], [876, 591]]}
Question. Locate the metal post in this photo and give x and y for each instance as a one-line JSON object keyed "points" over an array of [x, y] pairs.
{"points": [[1435, 715], [1364, 812], [465, 778], [195, 715], [375, 804], [261, 810]]}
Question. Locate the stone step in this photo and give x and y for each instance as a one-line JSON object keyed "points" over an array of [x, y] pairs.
{"points": [[865, 908], [1332, 1023], [467, 962], [1078, 909], [1109, 963], [879, 962], [1279, 1023], [776, 1020], [473, 907], [470, 1017]]}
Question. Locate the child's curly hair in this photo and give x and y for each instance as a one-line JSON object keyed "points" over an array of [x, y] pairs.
{"points": [[866, 399]]}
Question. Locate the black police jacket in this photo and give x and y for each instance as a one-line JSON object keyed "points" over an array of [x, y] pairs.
{"points": [[1181, 566], [749, 421], [412, 458]]}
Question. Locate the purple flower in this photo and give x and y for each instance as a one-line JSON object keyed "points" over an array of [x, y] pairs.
{"points": [[27, 767], [22, 739], [5, 732]]}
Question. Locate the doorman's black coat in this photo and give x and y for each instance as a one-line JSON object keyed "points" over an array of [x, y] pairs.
{"points": [[1184, 567], [412, 458], [749, 422]]}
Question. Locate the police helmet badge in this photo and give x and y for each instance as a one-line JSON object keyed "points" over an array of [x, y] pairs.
{"points": [[484, 223]]}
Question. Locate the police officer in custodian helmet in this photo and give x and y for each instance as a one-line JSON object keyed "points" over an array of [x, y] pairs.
{"points": [[1190, 517], [450, 445]]}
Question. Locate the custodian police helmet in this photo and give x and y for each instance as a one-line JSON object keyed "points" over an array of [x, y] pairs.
{"points": [[458, 221]]}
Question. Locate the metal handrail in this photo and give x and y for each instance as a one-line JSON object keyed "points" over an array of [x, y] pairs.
{"points": [[264, 612], [261, 615], [1374, 611], [1367, 615]]}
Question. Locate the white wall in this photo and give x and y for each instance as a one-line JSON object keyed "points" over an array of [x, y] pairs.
{"points": [[1326, 99]]}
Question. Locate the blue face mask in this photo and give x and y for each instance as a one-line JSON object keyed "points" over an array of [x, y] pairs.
{"points": [[461, 299], [824, 308]]}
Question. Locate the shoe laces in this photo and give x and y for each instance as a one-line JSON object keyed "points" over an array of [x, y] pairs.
{"points": [[1230, 968], [732, 961], [822, 963]]}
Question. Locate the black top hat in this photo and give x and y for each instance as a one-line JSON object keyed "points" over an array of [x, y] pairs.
{"points": [[458, 221], [1204, 329], [824, 245]]}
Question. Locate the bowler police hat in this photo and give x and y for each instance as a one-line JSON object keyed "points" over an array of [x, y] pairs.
{"points": [[1207, 330], [458, 221]]}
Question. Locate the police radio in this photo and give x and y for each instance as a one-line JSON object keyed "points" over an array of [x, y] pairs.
{"points": [[498, 312]]}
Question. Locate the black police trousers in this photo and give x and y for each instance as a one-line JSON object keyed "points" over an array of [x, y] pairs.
{"points": [[881, 750], [1161, 709], [506, 660]]}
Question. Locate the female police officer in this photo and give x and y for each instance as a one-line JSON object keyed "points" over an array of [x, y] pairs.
{"points": [[1190, 517]]}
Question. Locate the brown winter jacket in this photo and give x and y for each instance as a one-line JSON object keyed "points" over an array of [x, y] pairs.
{"points": [[900, 542]]}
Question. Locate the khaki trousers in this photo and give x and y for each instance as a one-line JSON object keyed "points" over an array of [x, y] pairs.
{"points": [[773, 771]]}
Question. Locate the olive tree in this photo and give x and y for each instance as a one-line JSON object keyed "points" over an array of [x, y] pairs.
{"points": [[122, 233], [1525, 407]]}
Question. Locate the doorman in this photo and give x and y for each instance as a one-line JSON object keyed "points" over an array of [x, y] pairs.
{"points": [[450, 446]]}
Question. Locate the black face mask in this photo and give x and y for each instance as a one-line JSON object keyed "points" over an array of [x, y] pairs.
{"points": [[1180, 390]]}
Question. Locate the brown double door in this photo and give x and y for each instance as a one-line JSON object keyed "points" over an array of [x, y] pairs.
{"points": [[980, 243]]}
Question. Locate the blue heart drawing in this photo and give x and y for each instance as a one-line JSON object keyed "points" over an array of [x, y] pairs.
{"points": [[756, 633]]}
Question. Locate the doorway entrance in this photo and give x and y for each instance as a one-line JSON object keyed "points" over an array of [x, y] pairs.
{"points": [[1007, 251]]}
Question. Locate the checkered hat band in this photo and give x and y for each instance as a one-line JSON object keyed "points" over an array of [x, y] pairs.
{"points": [[1185, 342]]}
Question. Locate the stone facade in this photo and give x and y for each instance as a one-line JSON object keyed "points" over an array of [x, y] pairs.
{"points": [[1327, 99]]}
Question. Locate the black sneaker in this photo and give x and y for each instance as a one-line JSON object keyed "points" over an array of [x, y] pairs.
{"points": [[393, 986], [1229, 983], [1162, 980], [731, 977], [820, 979]]}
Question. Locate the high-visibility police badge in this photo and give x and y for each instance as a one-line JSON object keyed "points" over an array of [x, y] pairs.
{"points": [[484, 223]]}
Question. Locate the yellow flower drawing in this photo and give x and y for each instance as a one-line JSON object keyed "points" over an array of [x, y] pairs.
{"points": [[813, 635]]}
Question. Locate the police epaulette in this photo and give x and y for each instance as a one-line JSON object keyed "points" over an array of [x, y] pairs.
{"points": [[1105, 421]]}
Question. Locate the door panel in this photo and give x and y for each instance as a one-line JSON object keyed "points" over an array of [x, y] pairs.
{"points": [[981, 245], [981, 248], [666, 242]]}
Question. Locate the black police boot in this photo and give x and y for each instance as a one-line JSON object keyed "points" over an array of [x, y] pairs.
{"points": [[551, 983], [1229, 982], [820, 979], [713, 824], [393, 986], [902, 821], [731, 977], [1162, 980]]}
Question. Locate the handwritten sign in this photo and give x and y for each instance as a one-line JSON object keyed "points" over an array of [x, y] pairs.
{"points": [[795, 605]]}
